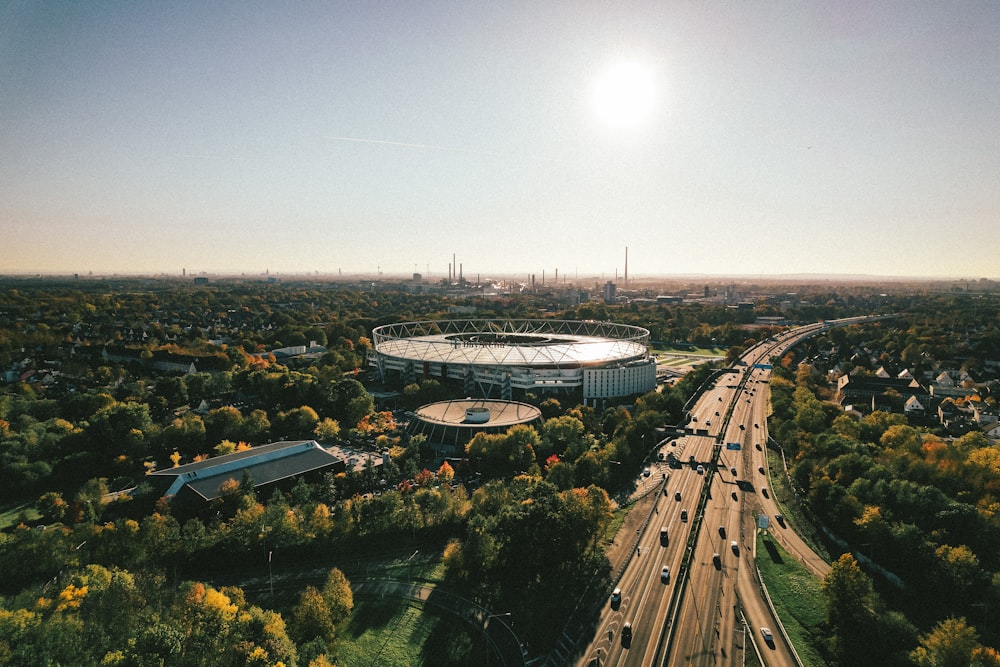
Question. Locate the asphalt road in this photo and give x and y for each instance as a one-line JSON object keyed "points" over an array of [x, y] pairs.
{"points": [[712, 608]]}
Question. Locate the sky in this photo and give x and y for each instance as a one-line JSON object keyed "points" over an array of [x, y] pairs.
{"points": [[716, 138]]}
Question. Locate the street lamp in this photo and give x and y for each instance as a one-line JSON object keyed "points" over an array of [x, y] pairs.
{"points": [[486, 631]]}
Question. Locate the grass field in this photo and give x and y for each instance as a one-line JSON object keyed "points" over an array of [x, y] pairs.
{"points": [[11, 516], [398, 632], [797, 598]]}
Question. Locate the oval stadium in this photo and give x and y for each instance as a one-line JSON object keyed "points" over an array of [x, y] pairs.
{"points": [[495, 357]]}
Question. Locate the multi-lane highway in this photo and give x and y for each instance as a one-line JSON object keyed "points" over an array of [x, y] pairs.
{"points": [[712, 487]]}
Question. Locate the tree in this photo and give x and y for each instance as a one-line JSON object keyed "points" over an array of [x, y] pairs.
{"points": [[297, 423], [338, 596], [311, 617], [327, 430], [850, 599], [950, 643]]}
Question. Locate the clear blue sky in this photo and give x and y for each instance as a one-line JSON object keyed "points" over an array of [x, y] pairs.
{"points": [[779, 137]]}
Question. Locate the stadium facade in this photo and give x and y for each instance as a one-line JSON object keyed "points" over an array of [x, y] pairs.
{"points": [[495, 357]]}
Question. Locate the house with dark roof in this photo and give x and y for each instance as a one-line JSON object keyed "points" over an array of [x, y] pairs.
{"points": [[872, 392], [195, 484]]}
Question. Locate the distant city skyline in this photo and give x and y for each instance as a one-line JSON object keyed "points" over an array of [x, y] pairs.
{"points": [[710, 138]]}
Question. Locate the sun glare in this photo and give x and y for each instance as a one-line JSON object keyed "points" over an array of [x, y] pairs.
{"points": [[624, 95]]}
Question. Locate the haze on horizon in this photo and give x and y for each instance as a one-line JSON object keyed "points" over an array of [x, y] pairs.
{"points": [[711, 138]]}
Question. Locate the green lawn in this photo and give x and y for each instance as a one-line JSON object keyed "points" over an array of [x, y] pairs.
{"points": [[13, 515], [797, 598], [399, 632]]}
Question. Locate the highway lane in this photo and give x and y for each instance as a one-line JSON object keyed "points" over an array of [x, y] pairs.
{"points": [[718, 604]]}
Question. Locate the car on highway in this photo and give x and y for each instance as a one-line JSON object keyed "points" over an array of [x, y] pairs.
{"points": [[646, 472], [677, 495], [627, 634], [763, 491], [780, 518], [735, 547], [700, 469], [684, 515], [717, 561], [733, 471], [664, 536], [616, 598], [760, 469], [722, 532], [757, 445], [767, 635], [665, 574]]}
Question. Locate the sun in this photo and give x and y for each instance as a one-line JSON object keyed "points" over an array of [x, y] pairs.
{"points": [[624, 95]]}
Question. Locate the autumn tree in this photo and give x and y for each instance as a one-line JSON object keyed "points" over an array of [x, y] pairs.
{"points": [[951, 643]]}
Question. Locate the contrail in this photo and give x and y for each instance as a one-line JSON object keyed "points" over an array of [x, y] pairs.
{"points": [[392, 143], [404, 144]]}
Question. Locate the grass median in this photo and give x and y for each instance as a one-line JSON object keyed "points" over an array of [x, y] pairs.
{"points": [[797, 599]]}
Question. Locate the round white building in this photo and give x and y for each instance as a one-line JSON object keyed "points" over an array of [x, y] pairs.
{"points": [[495, 356]]}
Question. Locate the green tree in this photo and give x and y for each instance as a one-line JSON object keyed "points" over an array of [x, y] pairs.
{"points": [[338, 596], [311, 617], [950, 643]]}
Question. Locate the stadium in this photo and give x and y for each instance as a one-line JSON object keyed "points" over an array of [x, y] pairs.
{"points": [[496, 357]]}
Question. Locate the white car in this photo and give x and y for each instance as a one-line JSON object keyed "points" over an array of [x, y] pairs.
{"points": [[665, 575], [646, 472], [766, 634]]}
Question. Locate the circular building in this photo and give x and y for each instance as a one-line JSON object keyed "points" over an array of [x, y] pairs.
{"points": [[494, 357], [455, 423]]}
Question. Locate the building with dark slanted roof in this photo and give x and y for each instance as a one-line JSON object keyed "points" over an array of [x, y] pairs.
{"points": [[195, 484]]}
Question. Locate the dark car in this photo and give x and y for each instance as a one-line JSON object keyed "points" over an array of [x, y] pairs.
{"points": [[627, 634], [677, 495], [616, 598]]}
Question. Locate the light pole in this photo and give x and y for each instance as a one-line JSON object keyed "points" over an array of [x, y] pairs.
{"points": [[486, 631]]}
